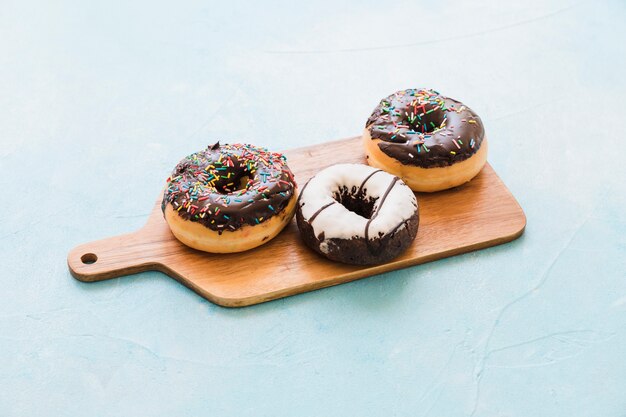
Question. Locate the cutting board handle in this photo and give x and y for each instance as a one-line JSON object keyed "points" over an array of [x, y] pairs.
{"points": [[111, 257]]}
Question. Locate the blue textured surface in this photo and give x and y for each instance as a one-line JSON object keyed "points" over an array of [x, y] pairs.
{"points": [[99, 101]]}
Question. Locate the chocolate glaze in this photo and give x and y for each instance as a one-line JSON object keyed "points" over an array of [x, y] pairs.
{"points": [[228, 186], [423, 128]]}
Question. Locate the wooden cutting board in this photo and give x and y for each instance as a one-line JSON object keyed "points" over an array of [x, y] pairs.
{"points": [[477, 215]]}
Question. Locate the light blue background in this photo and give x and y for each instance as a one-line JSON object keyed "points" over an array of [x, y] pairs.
{"points": [[99, 100]]}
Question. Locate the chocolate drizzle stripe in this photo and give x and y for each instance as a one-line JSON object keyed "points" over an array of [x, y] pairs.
{"points": [[324, 207], [366, 179], [382, 201], [395, 229]]}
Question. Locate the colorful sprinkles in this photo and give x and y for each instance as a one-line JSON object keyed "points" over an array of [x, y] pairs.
{"points": [[414, 122], [228, 186]]}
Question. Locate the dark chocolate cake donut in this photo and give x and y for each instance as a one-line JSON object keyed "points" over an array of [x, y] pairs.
{"points": [[357, 214]]}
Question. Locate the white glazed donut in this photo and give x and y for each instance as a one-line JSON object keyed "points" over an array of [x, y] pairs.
{"points": [[357, 214]]}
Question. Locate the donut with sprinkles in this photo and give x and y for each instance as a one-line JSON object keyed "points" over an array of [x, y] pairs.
{"points": [[229, 198], [431, 141]]}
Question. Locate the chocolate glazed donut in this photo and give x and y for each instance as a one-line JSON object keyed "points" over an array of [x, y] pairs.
{"points": [[357, 214], [229, 198], [423, 128], [226, 187], [420, 128]]}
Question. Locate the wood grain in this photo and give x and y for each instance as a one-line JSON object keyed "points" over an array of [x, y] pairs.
{"points": [[477, 215]]}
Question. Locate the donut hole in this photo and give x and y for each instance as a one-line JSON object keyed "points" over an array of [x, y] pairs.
{"points": [[355, 201], [237, 182], [424, 118], [243, 182]]}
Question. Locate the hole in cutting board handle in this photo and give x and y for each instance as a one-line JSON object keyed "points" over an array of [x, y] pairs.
{"points": [[89, 258]]}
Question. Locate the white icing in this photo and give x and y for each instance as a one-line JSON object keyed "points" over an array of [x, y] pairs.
{"points": [[338, 222], [324, 247]]}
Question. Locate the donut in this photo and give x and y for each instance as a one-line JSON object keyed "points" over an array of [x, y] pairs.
{"points": [[229, 198], [357, 214], [430, 141]]}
